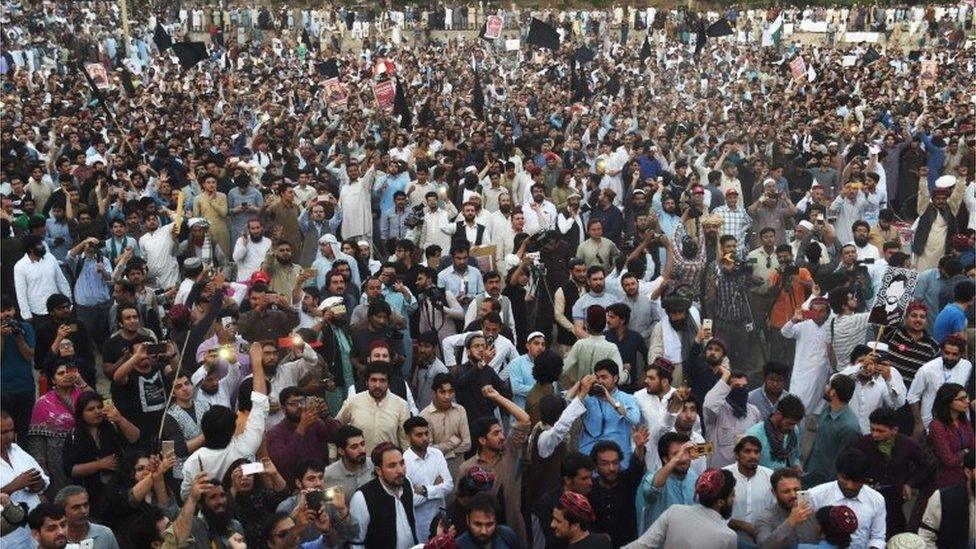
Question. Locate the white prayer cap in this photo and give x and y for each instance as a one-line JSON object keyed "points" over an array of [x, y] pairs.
{"points": [[945, 182], [878, 346], [330, 302], [194, 221], [534, 335], [328, 238], [806, 225]]}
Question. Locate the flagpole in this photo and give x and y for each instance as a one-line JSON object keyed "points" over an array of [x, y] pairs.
{"points": [[124, 13]]}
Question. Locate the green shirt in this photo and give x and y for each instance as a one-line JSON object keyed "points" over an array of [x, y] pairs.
{"points": [[836, 430]]}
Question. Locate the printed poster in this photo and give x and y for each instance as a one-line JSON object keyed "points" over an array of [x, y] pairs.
{"points": [[493, 27], [98, 75], [336, 94], [897, 289], [798, 67], [384, 92]]}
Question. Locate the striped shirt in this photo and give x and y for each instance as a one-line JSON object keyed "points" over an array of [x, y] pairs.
{"points": [[908, 355]]}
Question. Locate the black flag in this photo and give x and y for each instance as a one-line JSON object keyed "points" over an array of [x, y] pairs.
{"points": [[402, 108], [190, 53], [478, 99], [870, 56], [645, 50], [578, 83], [613, 85], [719, 28], [543, 35], [702, 37], [162, 38], [583, 54], [126, 77], [329, 68]]}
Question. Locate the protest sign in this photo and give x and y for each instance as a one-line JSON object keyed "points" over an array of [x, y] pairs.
{"points": [[384, 92], [897, 288], [493, 27]]}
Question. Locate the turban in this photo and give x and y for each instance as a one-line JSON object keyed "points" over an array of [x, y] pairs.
{"points": [[578, 505], [710, 484]]}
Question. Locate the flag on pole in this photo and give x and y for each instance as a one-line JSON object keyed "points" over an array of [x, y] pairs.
{"points": [[543, 35], [719, 28], [402, 108], [190, 53], [645, 50], [771, 36], [161, 38], [478, 99]]}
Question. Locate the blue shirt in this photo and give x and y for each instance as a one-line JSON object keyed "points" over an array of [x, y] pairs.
{"points": [[520, 376], [16, 374], [602, 422], [60, 230], [652, 502], [393, 183], [469, 284], [765, 459], [952, 319], [91, 288]]}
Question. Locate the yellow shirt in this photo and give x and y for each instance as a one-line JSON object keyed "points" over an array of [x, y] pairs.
{"points": [[380, 421]]}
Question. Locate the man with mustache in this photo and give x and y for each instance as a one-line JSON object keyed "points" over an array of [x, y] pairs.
{"points": [[675, 339], [948, 368], [383, 507], [703, 524], [48, 526], [753, 492], [787, 521], [851, 489]]}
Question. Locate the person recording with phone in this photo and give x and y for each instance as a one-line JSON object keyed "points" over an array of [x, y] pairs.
{"points": [[610, 414]]}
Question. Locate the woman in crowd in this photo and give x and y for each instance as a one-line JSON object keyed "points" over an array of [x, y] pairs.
{"points": [[254, 496], [53, 421], [98, 445], [951, 433], [140, 485]]}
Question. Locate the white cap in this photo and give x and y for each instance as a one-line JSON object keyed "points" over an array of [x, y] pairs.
{"points": [[945, 182], [328, 238], [878, 346], [534, 335], [805, 224], [194, 221], [330, 302]]}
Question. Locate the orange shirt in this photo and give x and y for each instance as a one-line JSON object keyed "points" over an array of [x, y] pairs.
{"points": [[787, 302]]}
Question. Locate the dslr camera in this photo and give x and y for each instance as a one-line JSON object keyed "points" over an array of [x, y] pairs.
{"points": [[416, 217]]}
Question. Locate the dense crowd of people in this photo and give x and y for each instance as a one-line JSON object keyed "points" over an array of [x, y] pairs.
{"points": [[622, 277]]}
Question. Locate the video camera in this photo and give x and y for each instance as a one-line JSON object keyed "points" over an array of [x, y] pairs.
{"points": [[416, 217]]}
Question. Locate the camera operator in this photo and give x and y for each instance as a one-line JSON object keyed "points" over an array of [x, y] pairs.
{"points": [[439, 308], [789, 287], [726, 299], [857, 275], [17, 387]]}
